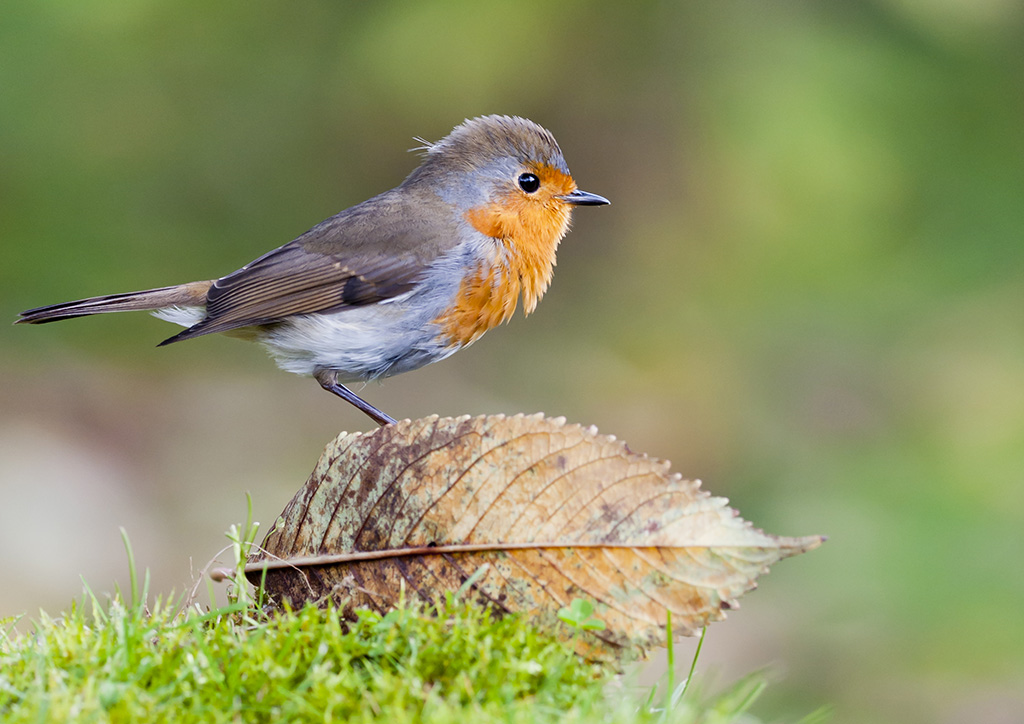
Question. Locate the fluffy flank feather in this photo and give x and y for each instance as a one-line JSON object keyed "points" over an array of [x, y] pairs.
{"points": [[184, 316]]}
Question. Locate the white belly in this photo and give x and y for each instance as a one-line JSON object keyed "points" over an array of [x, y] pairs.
{"points": [[361, 343]]}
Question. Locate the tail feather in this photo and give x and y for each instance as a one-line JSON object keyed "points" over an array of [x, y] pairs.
{"points": [[182, 295]]}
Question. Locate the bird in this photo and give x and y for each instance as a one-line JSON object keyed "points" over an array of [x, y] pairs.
{"points": [[401, 280]]}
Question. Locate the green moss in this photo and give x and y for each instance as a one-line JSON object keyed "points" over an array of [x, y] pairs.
{"points": [[452, 662], [129, 664]]}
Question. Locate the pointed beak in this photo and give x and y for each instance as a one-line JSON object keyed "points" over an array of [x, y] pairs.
{"points": [[584, 198]]}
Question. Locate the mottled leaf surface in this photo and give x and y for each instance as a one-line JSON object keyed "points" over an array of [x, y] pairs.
{"points": [[538, 512]]}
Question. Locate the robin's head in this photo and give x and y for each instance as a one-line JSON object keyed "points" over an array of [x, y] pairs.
{"points": [[508, 177]]}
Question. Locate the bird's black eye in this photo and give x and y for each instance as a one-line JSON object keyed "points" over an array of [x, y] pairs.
{"points": [[528, 182]]}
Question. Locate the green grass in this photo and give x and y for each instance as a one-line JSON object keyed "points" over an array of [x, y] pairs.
{"points": [[119, 663], [123, 660], [449, 663]]}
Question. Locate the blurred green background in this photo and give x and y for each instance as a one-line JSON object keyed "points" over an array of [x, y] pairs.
{"points": [[808, 291]]}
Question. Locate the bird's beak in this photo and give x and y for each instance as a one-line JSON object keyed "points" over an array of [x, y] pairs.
{"points": [[584, 198]]}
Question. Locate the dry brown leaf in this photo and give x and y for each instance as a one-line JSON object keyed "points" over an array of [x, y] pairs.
{"points": [[552, 512]]}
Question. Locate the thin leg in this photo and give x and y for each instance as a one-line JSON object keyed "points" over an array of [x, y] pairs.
{"points": [[328, 379]]}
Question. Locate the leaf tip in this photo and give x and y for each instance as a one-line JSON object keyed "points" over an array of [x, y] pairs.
{"points": [[813, 541]]}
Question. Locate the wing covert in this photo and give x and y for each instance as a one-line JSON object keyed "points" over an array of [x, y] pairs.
{"points": [[365, 255]]}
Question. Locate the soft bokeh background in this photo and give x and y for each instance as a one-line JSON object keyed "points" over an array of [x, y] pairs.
{"points": [[808, 292]]}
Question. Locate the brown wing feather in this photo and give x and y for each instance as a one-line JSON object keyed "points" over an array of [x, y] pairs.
{"points": [[364, 255]]}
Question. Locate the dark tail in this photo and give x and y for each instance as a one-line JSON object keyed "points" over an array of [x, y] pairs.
{"points": [[182, 295]]}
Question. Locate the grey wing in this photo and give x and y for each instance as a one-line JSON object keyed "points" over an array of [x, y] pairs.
{"points": [[356, 258]]}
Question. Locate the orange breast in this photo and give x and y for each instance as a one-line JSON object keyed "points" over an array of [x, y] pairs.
{"points": [[526, 229]]}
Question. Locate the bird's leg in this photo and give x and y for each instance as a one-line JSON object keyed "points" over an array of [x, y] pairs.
{"points": [[328, 379]]}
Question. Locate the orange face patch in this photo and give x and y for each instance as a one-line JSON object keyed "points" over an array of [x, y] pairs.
{"points": [[529, 227]]}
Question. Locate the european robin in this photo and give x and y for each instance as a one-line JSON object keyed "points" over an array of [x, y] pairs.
{"points": [[401, 280]]}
